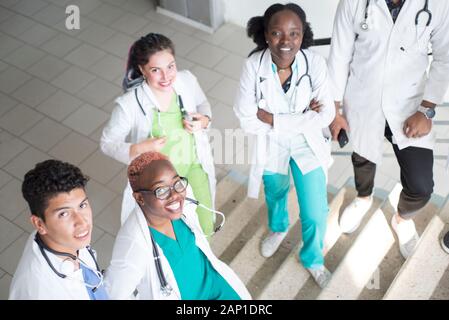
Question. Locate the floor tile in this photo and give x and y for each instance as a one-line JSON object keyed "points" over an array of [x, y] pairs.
{"points": [[5, 283], [50, 15], [90, 93], [99, 196], [109, 67], [6, 103], [118, 183], [104, 246], [105, 14], [9, 259], [73, 79], [23, 221], [48, 68], [238, 43], [10, 146], [225, 91], [74, 148], [9, 233], [231, 66], [129, 23], [38, 35], [25, 161], [86, 119], [9, 44], [16, 25], [19, 119], [24, 57], [84, 56], [61, 45], [184, 43], [207, 55], [60, 105], [206, 77], [96, 34], [156, 27], [34, 92], [46, 134], [119, 45], [12, 78], [11, 201], [29, 8], [4, 178], [101, 167], [109, 219]]}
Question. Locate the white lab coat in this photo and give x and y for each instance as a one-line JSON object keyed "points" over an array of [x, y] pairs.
{"points": [[35, 280], [128, 125], [258, 79], [382, 75], [132, 266]]}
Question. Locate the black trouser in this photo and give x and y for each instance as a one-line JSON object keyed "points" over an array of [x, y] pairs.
{"points": [[416, 176]]}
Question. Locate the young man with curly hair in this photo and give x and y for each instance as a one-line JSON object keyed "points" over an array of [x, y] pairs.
{"points": [[57, 262]]}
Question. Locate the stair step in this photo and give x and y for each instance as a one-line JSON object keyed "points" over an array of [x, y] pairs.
{"points": [[291, 275], [249, 260], [393, 260], [361, 260], [236, 220], [421, 275], [229, 193]]}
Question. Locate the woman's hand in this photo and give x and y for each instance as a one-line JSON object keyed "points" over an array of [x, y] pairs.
{"points": [[150, 144], [199, 122], [315, 105], [265, 116]]}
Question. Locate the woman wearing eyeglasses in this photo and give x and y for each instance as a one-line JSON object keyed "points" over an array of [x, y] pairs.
{"points": [[165, 111], [161, 251]]}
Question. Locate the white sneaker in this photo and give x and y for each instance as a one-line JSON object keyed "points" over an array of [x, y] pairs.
{"points": [[407, 236], [321, 275], [353, 214], [271, 243]]}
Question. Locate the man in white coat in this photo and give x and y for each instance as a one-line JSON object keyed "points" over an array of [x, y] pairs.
{"points": [[57, 262], [378, 66]]}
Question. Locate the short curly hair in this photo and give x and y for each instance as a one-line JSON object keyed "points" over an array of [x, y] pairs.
{"points": [[47, 180], [257, 26], [139, 164]]}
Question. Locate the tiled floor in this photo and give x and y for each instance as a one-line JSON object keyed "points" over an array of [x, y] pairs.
{"points": [[57, 88]]}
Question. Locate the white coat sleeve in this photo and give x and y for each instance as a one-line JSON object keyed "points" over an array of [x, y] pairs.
{"points": [[245, 106], [301, 122], [112, 141], [438, 80], [127, 269], [342, 49]]}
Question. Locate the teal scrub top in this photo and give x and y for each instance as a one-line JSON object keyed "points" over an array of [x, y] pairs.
{"points": [[194, 274]]}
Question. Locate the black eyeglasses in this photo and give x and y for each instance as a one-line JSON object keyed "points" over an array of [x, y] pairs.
{"points": [[164, 192]]}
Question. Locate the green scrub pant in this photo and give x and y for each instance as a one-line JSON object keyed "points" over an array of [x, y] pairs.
{"points": [[199, 182], [312, 197]]}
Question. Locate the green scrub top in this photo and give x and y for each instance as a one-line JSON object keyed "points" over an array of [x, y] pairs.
{"points": [[194, 274], [180, 145]]}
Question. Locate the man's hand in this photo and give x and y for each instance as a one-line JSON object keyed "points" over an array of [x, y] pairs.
{"points": [[315, 106], [417, 125], [265, 116], [338, 124]]}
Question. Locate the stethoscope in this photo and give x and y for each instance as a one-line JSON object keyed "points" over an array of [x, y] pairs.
{"points": [[425, 9], [166, 288], [43, 247], [262, 103], [184, 113]]}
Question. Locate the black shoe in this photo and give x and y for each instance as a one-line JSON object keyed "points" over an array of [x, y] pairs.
{"points": [[445, 242]]}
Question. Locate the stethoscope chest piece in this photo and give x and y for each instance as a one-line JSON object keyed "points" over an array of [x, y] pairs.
{"points": [[364, 26]]}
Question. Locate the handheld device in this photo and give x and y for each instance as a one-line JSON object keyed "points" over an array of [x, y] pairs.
{"points": [[342, 138]]}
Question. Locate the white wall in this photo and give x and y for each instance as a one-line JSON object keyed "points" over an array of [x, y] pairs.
{"points": [[320, 13]]}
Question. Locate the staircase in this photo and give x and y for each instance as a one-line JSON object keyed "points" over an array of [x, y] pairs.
{"points": [[366, 264]]}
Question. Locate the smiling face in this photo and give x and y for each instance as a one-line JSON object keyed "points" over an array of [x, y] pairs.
{"points": [[284, 35], [68, 222], [160, 173], [160, 71]]}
